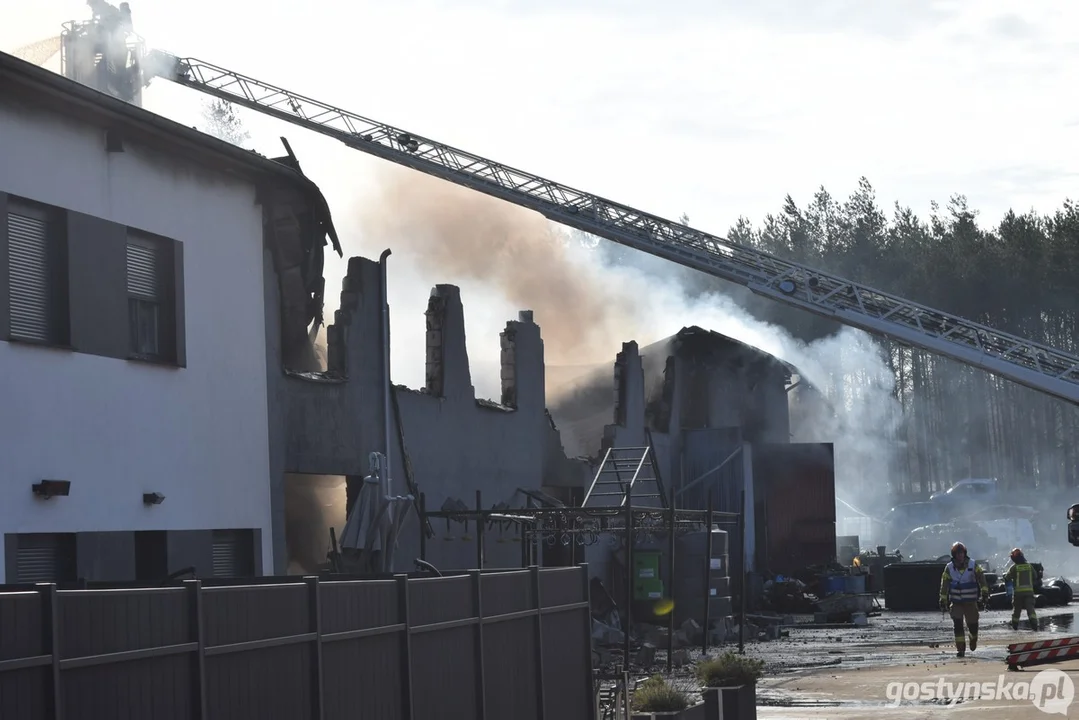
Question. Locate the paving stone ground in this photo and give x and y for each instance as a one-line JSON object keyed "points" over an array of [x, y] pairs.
{"points": [[855, 672]]}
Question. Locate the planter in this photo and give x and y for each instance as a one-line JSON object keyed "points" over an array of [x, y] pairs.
{"points": [[730, 703], [694, 712]]}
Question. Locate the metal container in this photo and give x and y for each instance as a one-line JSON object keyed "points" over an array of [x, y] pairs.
{"points": [[794, 498], [690, 583], [912, 585]]}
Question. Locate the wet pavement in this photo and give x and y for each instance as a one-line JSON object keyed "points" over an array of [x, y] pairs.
{"points": [[861, 672], [858, 672]]}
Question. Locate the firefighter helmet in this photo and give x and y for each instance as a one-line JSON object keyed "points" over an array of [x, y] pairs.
{"points": [[1016, 553], [957, 547]]}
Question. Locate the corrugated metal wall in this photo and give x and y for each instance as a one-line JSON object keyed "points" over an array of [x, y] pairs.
{"points": [[795, 506], [703, 450]]}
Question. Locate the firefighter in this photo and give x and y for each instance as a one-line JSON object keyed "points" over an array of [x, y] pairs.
{"points": [[1022, 576], [963, 584]]}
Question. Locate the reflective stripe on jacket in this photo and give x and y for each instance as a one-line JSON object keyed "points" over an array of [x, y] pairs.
{"points": [[1024, 578], [962, 586]]}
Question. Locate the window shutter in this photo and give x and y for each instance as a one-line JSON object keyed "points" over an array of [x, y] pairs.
{"points": [[143, 277], [37, 559], [28, 277], [227, 548]]}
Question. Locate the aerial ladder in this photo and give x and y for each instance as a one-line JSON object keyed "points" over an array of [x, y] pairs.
{"points": [[1023, 361]]}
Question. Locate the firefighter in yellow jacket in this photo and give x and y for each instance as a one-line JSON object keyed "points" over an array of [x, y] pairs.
{"points": [[1022, 576], [963, 584]]}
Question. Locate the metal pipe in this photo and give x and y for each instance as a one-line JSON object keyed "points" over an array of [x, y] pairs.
{"points": [[708, 573], [386, 364], [423, 526], [629, 572], [745, 590]]}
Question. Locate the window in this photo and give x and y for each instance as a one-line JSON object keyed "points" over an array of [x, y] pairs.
{"points": [[37, 297], [150, 310]]}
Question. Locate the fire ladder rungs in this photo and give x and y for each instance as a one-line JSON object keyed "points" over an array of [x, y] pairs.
{"points": [[623, 471], [1035, 365], [1043, 652]]}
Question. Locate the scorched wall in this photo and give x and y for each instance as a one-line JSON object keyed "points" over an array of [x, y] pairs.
{"points": [[457, 444]]}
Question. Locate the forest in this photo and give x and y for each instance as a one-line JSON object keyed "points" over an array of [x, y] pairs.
{"points": [[1017, 275]]}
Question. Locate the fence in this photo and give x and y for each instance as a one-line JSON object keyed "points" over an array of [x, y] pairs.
{"points": [[490, 645]]}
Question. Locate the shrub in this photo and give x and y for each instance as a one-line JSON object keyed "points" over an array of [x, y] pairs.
{"points": [[730, 669], [657, 695]]}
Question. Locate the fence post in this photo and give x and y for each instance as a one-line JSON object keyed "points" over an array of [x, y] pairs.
{"points": [[314, 614], [541, 705], [406, 642], [590, 684], [670, 583], [477, 610], [198, 635], [50, 638], [481, 527]]}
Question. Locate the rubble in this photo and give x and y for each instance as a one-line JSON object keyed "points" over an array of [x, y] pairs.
{"points": [[604, 634], [680, 658], [646, 656]]}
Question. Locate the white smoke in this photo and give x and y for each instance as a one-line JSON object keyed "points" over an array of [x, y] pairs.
{"points": [[505, 258]]}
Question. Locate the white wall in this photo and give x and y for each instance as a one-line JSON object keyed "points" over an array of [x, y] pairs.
{"points": [[116, 429]]}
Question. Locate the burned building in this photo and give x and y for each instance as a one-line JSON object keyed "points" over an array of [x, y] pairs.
{"points": [[715, 412], [441, 439]]}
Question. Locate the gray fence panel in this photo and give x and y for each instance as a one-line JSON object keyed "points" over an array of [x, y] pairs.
{"points": [[483, 645]]}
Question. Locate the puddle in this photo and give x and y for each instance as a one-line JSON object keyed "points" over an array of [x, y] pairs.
{"points": [[1053, 623], [794, 700]]}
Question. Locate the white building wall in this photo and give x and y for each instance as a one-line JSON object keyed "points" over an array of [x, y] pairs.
{"points": [[115, 428]]}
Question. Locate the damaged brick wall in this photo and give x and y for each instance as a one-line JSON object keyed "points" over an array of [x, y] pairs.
{"points": [[456, 443], [436, 317], [508, 367]]}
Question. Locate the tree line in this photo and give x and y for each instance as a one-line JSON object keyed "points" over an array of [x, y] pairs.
{"points": [[1017, 276]]}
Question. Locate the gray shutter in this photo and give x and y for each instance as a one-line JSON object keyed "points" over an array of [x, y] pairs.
{"points": [[28, 277], [37, 559], [227, 548], [143, 277]]}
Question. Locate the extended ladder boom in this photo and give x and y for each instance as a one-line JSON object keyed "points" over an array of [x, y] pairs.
{"points": [[1029, 363]]}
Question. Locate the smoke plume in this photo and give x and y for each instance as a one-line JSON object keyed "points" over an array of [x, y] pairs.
{"points": [[587, 307], [463, 236]]}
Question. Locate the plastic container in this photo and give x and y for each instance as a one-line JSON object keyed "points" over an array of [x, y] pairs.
{"points": [[854, 584], [834, 584]]}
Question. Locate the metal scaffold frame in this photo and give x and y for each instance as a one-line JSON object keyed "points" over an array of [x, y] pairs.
{"points": [[574, 526]]}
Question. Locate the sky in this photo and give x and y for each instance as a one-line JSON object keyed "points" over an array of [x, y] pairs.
{"points": [[715, 109]]}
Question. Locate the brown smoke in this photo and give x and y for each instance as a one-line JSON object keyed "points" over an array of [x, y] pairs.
{"points": [[455, 234]]}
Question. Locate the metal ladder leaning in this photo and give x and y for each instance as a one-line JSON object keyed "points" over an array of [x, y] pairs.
{"points": [[624, 469]]}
